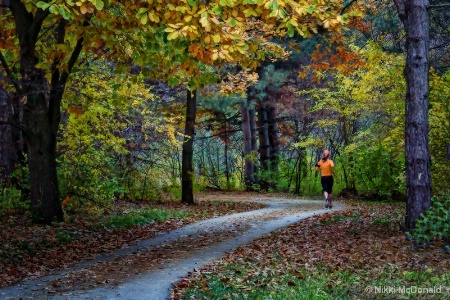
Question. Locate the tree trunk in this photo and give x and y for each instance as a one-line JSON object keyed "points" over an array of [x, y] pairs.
{"points": [[40, 118], [7, 159], [41, 102], [264, 147], [249, 178], [41, 141], [253, 134], [227, 167], [415, 17], [298, 177], [187, 170], [274, 140]]}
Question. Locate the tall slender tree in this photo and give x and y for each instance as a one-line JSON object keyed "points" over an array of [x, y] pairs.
{"points": [[249, 176], [187, 169], [415, 17]]}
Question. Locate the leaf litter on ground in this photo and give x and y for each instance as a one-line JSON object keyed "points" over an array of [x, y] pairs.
{"points": [[30, 250], [363, 241]]}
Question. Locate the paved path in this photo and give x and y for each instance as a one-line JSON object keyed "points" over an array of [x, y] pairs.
{"points": [[156, 284]]}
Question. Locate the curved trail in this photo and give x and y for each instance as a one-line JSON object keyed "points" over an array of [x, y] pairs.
{"points": [[148, 269]]}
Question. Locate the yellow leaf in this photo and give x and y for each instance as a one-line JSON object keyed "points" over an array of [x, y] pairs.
{"points": [[187, 18], [172, 35], [216, 38], [83, 9], [144, 19], [205, 23], [215, 21], [152, 17]]}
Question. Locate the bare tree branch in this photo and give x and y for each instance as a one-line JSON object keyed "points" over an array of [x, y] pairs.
{"points": [[73, 58], [444, 5], [400, 4]]}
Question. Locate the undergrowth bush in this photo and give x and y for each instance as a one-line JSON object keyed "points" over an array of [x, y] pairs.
{"points": [[434, 224]]}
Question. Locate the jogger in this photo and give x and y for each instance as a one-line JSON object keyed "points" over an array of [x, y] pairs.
{"points": [[326, 167]]}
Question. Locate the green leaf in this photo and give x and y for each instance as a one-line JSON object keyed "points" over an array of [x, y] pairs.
{"points": [[217, 10], [173, 81], [192, 2], [42, 5], [98, 4], [142, 10], [291, 31]]}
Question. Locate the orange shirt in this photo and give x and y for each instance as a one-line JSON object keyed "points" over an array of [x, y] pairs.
{"points": [[326, 167]]}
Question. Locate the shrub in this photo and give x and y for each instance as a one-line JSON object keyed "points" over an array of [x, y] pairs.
{"points": [[434, 224]]}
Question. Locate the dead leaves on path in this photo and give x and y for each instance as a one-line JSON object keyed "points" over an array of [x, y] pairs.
{"points": [[366, 237], [28, 250]]}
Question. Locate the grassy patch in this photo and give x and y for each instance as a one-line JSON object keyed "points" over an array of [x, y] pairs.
{"points": [[273, 284], [319, 283], [142, 217]]}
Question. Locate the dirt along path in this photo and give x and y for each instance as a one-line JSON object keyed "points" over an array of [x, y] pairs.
{"points": [[148, 269]]}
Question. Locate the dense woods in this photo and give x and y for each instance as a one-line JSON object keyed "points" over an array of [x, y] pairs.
{"points": [[149, 100]]}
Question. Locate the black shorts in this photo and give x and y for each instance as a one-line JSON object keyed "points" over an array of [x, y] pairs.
{"points": [[327, 183]]}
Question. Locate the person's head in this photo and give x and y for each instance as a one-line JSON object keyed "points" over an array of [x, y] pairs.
{"points": [[326, 154]]}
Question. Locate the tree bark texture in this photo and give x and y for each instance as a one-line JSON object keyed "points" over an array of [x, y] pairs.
{"points": [[7, 149], [274, 139], [249, 177], [41, 103], [227, 167], [40, 126], [264, 146], [253, 133], [415, 17], [187, 169]]}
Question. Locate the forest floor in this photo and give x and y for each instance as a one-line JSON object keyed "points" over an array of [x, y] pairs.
{"points": [[37, 262], [30, 250], [41, 264]]}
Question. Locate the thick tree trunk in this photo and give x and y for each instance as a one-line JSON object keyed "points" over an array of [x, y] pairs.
{"points": [[41, 103], [415, 17], [249, 177], [187, 170], [41, 116], [41, 122], [41, 141]]}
